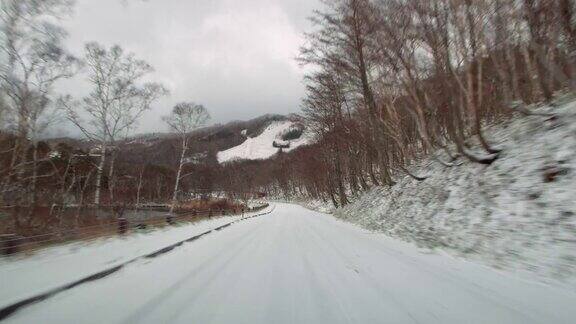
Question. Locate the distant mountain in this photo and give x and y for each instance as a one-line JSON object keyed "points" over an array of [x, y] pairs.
{"points": [[236, 140], [285, 136]]}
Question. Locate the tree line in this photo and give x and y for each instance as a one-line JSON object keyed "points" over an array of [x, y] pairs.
{"points": [[391, 81], [388, 82], [33, 60]]}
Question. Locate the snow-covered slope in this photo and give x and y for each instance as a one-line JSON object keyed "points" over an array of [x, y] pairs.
{"points": [[262, 147], [507, 215]]}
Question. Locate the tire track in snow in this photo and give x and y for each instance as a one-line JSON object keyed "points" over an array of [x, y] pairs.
{"points": [[214, 265], [315, 276], [300, 267], [440, 276], [9, 310]]}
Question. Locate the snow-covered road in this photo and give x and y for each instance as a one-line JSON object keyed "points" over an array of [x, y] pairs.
{"points": [[298, 266]]}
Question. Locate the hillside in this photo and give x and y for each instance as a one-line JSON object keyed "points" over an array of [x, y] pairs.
{"points": [[518, 213], [277, 136], [163, 148]]}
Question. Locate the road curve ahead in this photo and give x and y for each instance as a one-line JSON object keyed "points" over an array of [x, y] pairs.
{"points": [[297, 266]]}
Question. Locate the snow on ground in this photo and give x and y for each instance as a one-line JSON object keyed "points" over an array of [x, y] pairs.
{"points": [[53, 267], [320, 206], [504, 215], [261, 147], [299, 266]]}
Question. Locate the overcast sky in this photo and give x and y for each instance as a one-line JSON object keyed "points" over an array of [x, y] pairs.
{"points": [[234, 56]]}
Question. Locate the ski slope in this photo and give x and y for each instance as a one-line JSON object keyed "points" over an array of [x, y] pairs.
{"points": [[299, 266], [261, 147]]}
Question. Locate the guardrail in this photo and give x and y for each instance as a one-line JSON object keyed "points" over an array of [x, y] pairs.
{"points": [[11, 244], [9, 310]]}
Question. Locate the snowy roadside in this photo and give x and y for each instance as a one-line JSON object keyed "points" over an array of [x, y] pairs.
{"points": [[299, 266], [24, 277], [311, 204], [504, 215]]}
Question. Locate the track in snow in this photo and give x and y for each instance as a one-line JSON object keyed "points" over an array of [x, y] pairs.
{"points": [[297, 266]]}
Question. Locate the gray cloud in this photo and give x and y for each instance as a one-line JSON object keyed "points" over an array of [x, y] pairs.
{"points": [[234, 56]]}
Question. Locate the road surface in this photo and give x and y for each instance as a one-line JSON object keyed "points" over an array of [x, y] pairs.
{"points": [[298, 266]]}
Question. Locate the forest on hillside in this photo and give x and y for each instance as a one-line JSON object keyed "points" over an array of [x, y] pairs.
{"points": [[108, 165], [388, 82], [394, 81]]}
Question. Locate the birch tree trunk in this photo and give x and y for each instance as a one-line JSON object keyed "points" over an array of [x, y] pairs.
{"points": [[139, 187], [178, 175], [34, 195], [111, 181], [99, 172]]}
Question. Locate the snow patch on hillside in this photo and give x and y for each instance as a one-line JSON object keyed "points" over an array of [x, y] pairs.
{"points": [[262, 147], [505, 215]]}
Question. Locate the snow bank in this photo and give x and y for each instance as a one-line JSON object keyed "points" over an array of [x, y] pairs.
{"points": [[262, 147], [505, 215], [53, 267]]}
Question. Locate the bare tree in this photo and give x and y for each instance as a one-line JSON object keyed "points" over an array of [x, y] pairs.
{"points": [[118, 99], [34, 59], [343, 44], [393, 80], [185, 118]]}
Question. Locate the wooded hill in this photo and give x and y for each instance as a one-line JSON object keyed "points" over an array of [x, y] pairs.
{"points": [[393, 81]]}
